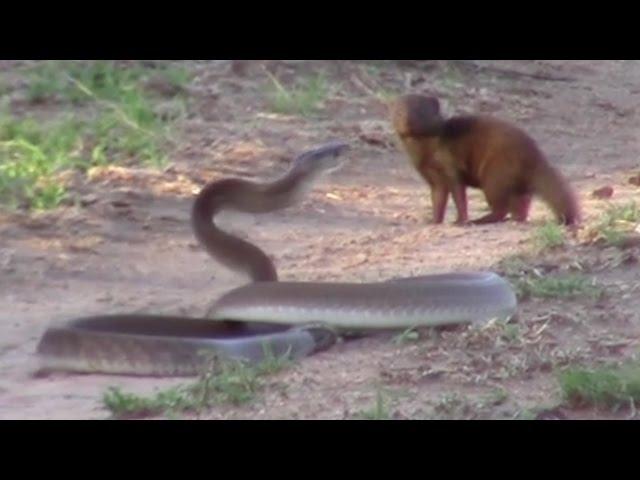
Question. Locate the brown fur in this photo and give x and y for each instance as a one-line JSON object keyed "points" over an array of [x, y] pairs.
{"points": [[480, 152]]}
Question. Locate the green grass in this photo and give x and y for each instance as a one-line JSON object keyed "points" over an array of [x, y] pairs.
{"points": [[128, 405], [497, 396], [108, 80], [114, 121], [408, 335], [30, 156], [222, 382], [458, 406], [272, 363], [379, 411], [610, 386], [534, 413], [451, 75], [511, 332], [304, 98], [529, 282], [562, 286], [526, 414], [629, 212], [617, 221], [453, 405], [549, 236]]}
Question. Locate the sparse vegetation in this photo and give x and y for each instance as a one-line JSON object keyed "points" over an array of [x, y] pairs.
{"points": [[617, 222], [229, 381], [107, 80], [31, 154], [128, 405], [304, 98], [380, 411], [497, 396], [541, 412], [455, 405], [452, 76], [548, 236], [628, 213], [118, 124], [561, 286], [459, 406], [511, 332], [408, 335], [611, 386], [525, 414], [452, 404]]}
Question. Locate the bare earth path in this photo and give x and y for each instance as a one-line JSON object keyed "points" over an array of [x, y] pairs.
{"points": [[132, 249]]}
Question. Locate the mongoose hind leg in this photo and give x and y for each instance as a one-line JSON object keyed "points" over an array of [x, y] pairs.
{"points": [[519, 207]]}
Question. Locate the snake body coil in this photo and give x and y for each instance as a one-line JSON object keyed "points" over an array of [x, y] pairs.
{"points": [[267, 316]]}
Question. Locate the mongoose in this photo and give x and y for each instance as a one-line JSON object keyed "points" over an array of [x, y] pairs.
{"points": [[480, 152]]}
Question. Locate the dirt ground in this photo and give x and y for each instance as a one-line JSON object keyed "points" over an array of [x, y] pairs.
{"points": [[130, 249]]}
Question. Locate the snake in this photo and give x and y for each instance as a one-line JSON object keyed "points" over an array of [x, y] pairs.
{"points": [[268, 316]]}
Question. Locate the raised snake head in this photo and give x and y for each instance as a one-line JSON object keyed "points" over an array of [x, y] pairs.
{"points": [[323, 159]]}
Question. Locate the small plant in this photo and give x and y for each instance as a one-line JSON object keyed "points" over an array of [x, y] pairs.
{"points": [[453, 404], [232, 382], [511, 332], [496, 396], [380, 410], [629, 212], [525, 414], [222, 381], [43, 83], [617, 222], [451, 75], [303, 99], [540, 412], [128, 405], [385, 96], [4, 87], [612, 386], [459, 406], [549, 236], [31, 155], [272, 363], [565, 286], [408, 335]]}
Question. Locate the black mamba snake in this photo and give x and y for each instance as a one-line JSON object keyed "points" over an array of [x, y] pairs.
{"points": [[295, 318]]}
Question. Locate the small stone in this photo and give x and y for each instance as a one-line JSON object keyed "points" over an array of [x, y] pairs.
{"points": [[604, 192]]}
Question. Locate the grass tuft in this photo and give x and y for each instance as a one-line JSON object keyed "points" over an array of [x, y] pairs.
{"points": [[117, 123], [221, 382], [610, 386]]}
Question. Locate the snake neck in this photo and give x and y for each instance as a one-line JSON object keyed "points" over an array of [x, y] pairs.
{"points": [[250, 197]]}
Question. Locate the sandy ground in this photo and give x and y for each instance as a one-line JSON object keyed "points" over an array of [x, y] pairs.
{"points": [[132, 249]]}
